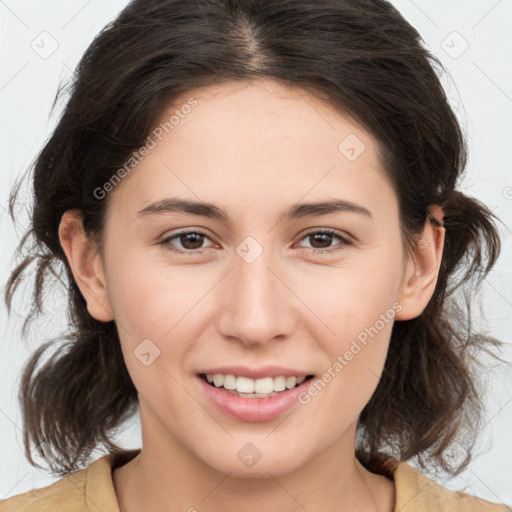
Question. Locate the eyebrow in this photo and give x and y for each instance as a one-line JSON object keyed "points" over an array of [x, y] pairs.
{"points": [[211, 211]]}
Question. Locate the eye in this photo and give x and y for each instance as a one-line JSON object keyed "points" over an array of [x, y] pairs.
{"points": [[190, 242], [323, 238]]}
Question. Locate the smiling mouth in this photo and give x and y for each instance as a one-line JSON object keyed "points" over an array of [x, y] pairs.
{"points": [[245, 387]]}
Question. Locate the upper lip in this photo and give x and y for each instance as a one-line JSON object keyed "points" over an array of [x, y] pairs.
{"points": [[256, 373]]}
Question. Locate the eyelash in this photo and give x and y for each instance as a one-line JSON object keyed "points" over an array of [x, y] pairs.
{"points": [[344, 242]]}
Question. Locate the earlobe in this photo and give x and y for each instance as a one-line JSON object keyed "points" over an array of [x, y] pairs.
{"points": [[422, 272], [86, 265]]}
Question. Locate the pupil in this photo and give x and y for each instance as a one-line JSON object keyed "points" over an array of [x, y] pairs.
{"points": [[318, 235], [185, 239]]}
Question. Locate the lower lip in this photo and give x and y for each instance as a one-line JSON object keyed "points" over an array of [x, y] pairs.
{"points": [[253, 409]]}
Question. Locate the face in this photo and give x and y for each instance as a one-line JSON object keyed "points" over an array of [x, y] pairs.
{"points": [[261, 286]]}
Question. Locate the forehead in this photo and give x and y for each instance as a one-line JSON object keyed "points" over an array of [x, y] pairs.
{"points": [[257, 143]]}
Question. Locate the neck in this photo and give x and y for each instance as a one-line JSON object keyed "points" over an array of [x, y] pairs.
{"points": [[175, 479]]}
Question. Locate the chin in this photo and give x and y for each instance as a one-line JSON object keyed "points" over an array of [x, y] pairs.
{"points": [[251, 462]]}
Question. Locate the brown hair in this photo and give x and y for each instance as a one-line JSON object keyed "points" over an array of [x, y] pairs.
{"points": [[364, 59]]}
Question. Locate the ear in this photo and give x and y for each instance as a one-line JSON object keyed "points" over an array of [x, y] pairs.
{"points": [[86, 264], [422, 269]]}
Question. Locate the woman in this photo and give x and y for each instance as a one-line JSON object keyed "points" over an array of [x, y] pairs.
{"points": [[254, 205]]}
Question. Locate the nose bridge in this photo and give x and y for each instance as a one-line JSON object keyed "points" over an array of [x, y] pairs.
{"points": [[257, 305]]}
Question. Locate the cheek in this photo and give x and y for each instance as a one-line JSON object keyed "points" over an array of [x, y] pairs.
{"points": [[149, 300], [357, 307], [150, 308], [352, 298]]}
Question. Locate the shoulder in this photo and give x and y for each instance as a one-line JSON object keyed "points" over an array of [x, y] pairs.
{"points": [[68, 493], [90, 488], [416, 492]]}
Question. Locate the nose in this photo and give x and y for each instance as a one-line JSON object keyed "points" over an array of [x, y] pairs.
{"points": [[256, 305]]}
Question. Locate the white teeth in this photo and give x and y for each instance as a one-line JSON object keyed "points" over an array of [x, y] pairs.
{"points": [[291, 382], [229, 382], [265, 385], [256, 388], [218, 380], [279, 383], [244, 385]]}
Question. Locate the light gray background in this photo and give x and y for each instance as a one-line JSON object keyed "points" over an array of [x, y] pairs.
{"points": [[41, 44]]}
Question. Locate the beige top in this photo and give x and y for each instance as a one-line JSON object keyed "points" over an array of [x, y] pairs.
{"points": [[92, 489]]}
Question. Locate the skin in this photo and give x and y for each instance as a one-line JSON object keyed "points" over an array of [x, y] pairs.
{"points": [[253, 149]]}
